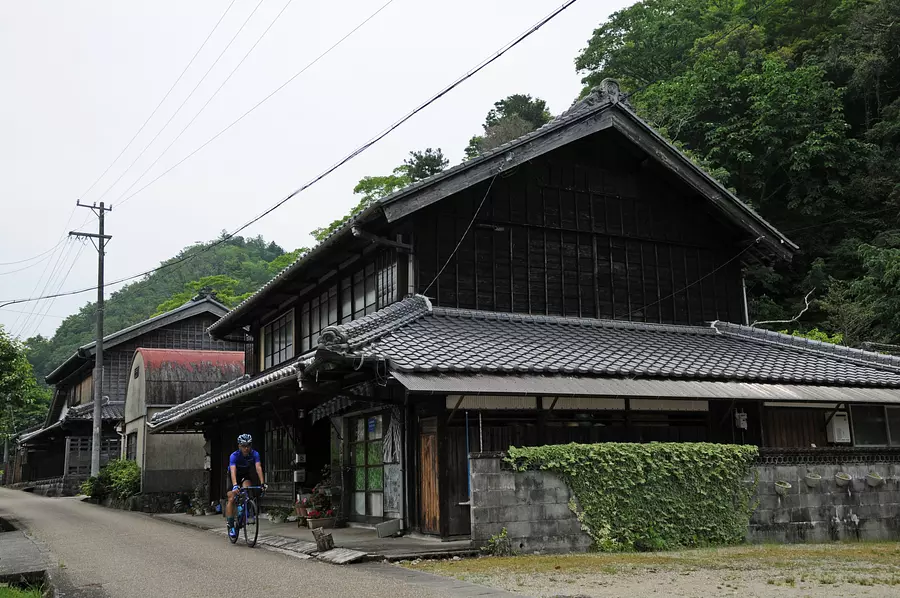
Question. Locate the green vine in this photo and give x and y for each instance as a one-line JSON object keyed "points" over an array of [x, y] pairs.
{"points": [[653, 496]]}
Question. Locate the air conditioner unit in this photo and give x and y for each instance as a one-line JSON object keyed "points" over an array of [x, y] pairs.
{"points": [[838, 429]]}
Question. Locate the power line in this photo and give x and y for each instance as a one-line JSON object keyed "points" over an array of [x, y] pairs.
{"points": [[699, 280], [165, 97], [42, 316], [63, 251], [463, 237], [189, 96], [34, 257], [44, 259], [261, 102], [202, 108], [481, 66]]}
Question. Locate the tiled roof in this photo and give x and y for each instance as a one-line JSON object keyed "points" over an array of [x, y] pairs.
{"points": [[111, 411], [224, 393], [412, 337], [607, 95]]}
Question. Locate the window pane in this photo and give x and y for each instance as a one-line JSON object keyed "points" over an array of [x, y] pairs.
{"points": [[360, 480], [360, 430], [376, 504], [346, 303], [376, 430], [370, 288], [376, 481], [869, 425], [359, 305], [375, 453], [893, 415], [359, 456], [332, 309]]}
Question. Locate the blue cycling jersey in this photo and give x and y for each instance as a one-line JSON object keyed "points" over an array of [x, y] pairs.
{"points": [[242, 462]]}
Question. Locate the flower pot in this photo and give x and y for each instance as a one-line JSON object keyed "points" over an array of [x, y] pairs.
{"points": [[326, 522], [782, 487], [301, 511], [842, 479], [813, 480], [874, 480]]}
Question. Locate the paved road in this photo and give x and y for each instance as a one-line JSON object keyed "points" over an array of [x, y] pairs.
{"points": [[107, 553]]}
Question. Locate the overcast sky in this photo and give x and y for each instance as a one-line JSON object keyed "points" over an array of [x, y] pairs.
{"points": [[80, 77]]}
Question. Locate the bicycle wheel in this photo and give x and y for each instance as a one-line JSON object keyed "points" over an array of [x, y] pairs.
{"points": [[251, 523]]}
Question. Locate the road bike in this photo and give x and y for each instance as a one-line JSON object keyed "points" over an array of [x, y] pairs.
{"points": [[247, 516]]}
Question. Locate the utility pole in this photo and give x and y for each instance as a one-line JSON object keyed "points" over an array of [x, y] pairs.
{"points": [[102, 238]]}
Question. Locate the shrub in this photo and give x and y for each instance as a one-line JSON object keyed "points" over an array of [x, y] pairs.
{"points": [[120, 478], [653, 496], [498, 545]]}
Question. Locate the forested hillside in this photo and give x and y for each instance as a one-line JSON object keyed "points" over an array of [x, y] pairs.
{"points": [[795, 104], [233, 269]]}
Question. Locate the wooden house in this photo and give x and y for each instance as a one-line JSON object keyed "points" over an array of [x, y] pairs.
{"points": [[580, 284], [62, 447]]}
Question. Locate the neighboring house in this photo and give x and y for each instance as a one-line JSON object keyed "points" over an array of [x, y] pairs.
{"points": [[570, 286], [62, 447], [161, 379]]}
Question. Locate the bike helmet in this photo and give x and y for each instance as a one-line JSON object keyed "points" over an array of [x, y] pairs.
{"points": [[245, 439]]}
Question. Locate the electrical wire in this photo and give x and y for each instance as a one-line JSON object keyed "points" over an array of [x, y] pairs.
{"points": [[463, 237], [481, 66], [699, 280], [261, 102], [34, 257], [63, 251], [202, 108], [40, 320], [189, 96], [165, 97], [40, 261]]}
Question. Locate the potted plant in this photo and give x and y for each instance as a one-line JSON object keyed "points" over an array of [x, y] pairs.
{"points": [[782, 487], [842, 479], [278, 514], [303, 505], [321, 518], [874, 480], [813, 479]]}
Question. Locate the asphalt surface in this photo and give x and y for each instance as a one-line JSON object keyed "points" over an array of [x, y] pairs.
{"points": [[104, 553]]}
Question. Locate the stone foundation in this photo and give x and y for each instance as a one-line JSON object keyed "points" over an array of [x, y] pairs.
{"points": [[535, 506], [826, 512]]}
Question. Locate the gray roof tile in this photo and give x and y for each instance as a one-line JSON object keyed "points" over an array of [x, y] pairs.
{"points": [[414, 337]]}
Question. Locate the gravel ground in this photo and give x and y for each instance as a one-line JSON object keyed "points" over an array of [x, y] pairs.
{"points": [[868, 569]]}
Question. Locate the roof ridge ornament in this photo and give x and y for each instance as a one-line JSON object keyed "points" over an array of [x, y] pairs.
{"points": [[607, 92]]}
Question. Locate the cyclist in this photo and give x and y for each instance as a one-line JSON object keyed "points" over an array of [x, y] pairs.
{"points": [[245, 469]]}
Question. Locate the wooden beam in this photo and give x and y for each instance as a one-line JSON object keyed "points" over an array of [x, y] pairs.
{"points": [[502, 161]]}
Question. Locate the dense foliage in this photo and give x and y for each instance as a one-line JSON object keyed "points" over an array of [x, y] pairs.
{"points": [[232, 269], [796, 105], [120, 478], [23, 402], [653, 496], [509, 119]]}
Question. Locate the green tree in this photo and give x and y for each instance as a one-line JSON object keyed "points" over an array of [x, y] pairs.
{"points": [[419, 165], [23, 401], [223, 287], [509, 119], [796, 106]]}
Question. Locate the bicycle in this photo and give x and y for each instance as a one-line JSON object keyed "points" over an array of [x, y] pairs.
{"points": [[247, 515]]}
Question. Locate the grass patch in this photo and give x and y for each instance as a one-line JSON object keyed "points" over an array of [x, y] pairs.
{"points": [[10, 592], [862, 564]]}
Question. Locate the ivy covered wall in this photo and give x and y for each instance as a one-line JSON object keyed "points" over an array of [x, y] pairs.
{"points": [[652, 496]]}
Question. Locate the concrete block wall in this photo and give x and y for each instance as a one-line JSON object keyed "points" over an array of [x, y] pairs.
{"points": [[826, 512], [533, 506]]}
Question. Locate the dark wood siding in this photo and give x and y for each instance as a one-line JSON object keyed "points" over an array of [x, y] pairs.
{"points": [[586, 231], [794, 428], [189, 334]]}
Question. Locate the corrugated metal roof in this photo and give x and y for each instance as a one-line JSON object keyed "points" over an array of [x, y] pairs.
{"points": [[466, 384], [223, 394], [190, 359]]}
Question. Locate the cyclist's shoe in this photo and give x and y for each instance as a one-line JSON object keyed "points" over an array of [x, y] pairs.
{"points": [[232, 532]]}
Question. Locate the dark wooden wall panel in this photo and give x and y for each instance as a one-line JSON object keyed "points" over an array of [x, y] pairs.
{"points": [[582, 232]]}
